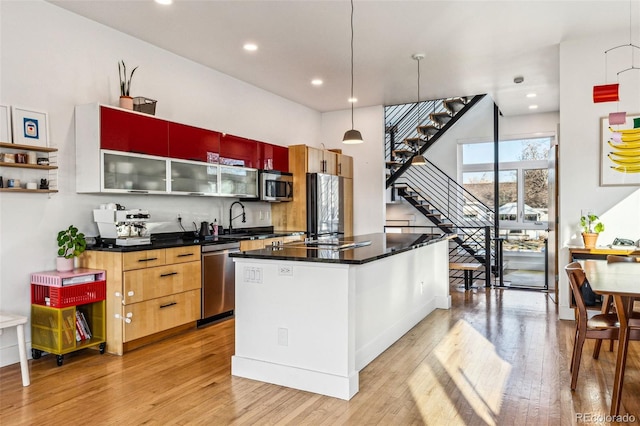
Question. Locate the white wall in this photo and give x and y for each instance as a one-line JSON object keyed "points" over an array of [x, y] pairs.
{"points": [[582, 65], [368, 159], [52, 60]]}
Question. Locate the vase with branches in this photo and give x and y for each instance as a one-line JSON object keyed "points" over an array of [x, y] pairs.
{"points": [[126, 101]]}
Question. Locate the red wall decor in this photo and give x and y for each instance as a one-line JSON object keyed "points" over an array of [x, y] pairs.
{"points": [[605, 93]]}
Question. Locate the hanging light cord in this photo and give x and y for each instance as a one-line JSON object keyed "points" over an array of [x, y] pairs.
{"points": [[418, 60], [352, 100]]}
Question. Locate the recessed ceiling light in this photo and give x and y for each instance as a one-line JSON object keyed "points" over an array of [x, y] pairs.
{"points": [[533, 106], [518, 79], [353, 100], [165, 2], [531, 95], [251, 47], [316, 82]]}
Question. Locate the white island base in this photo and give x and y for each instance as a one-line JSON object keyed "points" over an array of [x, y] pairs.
{"points": [[313, 326]]}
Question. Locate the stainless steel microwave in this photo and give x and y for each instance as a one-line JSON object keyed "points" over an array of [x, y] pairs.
{"points": [[276, 186]]}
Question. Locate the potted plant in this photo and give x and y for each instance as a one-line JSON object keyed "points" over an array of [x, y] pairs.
{"points": [[71, 244], [126, 101], [591, 227]]}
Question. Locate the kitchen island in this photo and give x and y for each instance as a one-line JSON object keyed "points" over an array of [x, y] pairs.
{"points": [[311, 315]]}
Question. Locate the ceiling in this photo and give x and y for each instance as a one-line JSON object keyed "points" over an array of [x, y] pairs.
{"points": [[470, 47]]}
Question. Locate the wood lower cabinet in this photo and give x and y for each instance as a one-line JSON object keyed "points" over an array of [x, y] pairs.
{"points": [[150, 293], [162, 313]]}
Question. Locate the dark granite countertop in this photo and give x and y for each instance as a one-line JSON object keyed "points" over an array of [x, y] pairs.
{"points": [[181, 239], [347, 250]]}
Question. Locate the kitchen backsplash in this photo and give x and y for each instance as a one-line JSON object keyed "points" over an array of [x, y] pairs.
{"points": [[164, 214]]}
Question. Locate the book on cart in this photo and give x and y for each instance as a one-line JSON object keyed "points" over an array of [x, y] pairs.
{"points": [[82, 327]]}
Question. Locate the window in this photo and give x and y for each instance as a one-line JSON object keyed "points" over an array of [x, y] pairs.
{"points": [[522, 180]]}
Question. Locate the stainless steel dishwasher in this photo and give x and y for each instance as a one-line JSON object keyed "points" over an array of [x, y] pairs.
{"points": [[218, 281]]}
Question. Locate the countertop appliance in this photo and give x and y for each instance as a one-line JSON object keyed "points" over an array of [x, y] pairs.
{"points": [[325, 205], [128, 227], [276, 186], [218, 281]]}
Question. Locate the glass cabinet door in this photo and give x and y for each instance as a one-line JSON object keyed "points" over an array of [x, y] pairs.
{"points": [[238, 181], [194, 178], [124, 172]]}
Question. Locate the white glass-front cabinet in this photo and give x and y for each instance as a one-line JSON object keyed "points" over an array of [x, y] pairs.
{"points": [[193, 178], [238, 181], [146, 174], [133, 173]]}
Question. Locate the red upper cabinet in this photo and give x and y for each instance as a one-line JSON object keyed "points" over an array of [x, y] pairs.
{"points": [[131, 132], [273, 157], [238, 151], [193, 143]]}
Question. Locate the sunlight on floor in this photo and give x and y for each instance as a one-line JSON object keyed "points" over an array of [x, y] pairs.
{"points": [[466, 361]]}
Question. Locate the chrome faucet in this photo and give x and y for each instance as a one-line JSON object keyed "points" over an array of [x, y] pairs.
{"points": [[244, 216]]}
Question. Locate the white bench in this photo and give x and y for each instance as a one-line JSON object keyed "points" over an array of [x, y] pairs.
{"points": [[17, 321]]}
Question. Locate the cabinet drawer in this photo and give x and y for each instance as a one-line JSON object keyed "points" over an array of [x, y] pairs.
{"points": [[150, 283], [182, 254], [161, 314], [292, 238], [248, 245], [143, 259]]}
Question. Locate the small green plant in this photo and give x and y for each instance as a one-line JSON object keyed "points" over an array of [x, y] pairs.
{"points": [[125, 85], [71, 243], [591, 224]]}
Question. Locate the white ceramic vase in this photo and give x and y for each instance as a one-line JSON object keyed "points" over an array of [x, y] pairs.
{"points": [[63, 264]]}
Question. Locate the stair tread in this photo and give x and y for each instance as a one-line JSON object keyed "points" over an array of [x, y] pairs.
{"points": [[394, 163], [454, 104], [428, 130], [402, 152], [440, 118], [416, 143]]}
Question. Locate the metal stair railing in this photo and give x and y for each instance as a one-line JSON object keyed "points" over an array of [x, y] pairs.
{"points": [[456, 255], [447, 196], [402, 122], [451, 207], [429, 141]]}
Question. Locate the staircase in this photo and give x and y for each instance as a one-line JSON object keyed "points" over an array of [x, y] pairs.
{"points": [[410, 130]]}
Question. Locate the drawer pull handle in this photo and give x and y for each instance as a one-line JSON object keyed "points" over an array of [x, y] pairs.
{"points": [[168, 275], [185, 254], [148, 259], [168, 304]]}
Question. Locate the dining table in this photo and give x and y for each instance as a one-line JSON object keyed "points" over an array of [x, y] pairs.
{"points": [[620, 280]]}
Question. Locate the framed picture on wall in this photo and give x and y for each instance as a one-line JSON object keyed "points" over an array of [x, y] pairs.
{"points": [[620, 152], [30, 127], [5, 124]]}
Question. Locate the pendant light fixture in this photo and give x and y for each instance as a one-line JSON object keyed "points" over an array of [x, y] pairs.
{"points": [[352, 136], [418, 159]]}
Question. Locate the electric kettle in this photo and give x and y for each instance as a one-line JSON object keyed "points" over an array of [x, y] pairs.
{"points": [[205, 229]]}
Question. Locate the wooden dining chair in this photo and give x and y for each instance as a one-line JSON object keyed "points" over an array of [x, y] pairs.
{"points": [[599, 327]]}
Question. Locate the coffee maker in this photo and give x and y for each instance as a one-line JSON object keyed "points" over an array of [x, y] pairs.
{"points": [[127, 227]]}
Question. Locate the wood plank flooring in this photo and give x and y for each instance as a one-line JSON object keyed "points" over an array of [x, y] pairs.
{"points": [[497, 357]]}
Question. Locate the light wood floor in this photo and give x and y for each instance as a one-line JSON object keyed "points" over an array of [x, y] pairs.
{"points": [[497, 357]]}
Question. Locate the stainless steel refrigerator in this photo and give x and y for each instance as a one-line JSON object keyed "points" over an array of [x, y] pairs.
{"points": [[325, 206]]}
